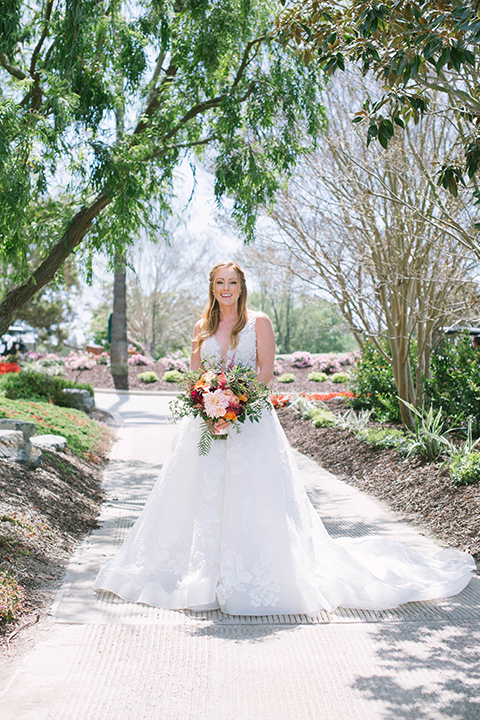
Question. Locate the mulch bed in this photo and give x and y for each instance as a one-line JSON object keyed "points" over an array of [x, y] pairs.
{"points": [[422, 492], [45, 512]]}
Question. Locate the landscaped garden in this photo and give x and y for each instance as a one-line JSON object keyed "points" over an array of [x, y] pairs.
{"points": [[342, 410]]}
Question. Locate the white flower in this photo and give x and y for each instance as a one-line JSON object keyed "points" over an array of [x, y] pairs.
{"points": [[216, 403]]}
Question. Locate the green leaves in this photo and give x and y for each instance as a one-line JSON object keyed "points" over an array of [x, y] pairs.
{"points": [[10, 14], [427, 52], [181, 76]]}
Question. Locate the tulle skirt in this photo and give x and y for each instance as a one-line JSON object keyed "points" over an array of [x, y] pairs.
{"points": [[235, 530]]}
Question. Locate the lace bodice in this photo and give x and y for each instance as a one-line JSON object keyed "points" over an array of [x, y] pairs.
{"points": [[244, 354]]}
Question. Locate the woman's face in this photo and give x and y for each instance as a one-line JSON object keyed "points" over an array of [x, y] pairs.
{"points": [[226, 287]]}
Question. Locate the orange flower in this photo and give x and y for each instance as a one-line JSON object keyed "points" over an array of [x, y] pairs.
{"points": [[230, 416], [243, 398]]}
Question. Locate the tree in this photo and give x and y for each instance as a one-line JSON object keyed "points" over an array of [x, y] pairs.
{"points": [[372, 229], [217, 81], [418, 51], [301, 320]]}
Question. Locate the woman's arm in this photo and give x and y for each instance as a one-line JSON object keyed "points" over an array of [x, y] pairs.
{"points": [[265, 348], [195, 359]]}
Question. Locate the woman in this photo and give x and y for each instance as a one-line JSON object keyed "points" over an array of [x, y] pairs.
{"points": [[235, 529]]}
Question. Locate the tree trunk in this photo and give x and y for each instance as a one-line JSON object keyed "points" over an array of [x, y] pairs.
{"points": [[119, 344], [72, 237]]}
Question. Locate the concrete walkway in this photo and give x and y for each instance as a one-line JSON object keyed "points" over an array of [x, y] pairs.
{"points": [[102, 658]]}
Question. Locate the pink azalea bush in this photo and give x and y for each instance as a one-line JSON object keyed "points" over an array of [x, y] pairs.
{"points": [[79, 361], [328, 364], [175, 361], [139, 359], [277, 368], [301, 359]]}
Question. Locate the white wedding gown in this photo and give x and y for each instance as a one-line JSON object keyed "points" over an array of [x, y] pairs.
{"points": [[235, 530]]}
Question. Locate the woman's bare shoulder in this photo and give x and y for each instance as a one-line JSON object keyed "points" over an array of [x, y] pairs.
{"points": [[262, 319]]}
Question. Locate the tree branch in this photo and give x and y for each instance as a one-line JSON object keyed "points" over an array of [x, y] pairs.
{"points": [[48, 13], [14, 71]]}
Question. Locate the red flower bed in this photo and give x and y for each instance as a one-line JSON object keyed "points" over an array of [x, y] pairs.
{"points": [[279, 401], [9, 367], [330, 395]]}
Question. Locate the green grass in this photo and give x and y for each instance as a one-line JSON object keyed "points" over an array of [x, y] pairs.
{"points": [[83, 435]]}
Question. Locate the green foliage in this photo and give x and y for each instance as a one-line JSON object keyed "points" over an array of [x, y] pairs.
{"points": [[11, 597], [31, 385], [464, 468], [373, 385], [354, 422], [429, 441], [172, 376], [304, 323], [148, 376], [340, 377], [286, 378], [184, 76], [317, 376], [83, 435], [322, 418], [409, 46], [382, 437], [45, 366], [454, 381]]}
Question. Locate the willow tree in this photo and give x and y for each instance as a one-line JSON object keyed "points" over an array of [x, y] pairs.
{"points": [[196, 75], [372, 227]]}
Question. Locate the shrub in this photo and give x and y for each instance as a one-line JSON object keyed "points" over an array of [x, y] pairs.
{"points": [[286, 378], [340, 377], [147, 377], [465, 468], [301, 359], [317, 376], [50, 364], [322, 418], [173, 376], [79, 361], [382, 437], [9, 367], [454, 382], [277, 368], [34, 385], [175, 361], [11, 597], [373, 385], [139, 359], [328, 364], [103, 358], [83, 435], [354, 422], [429, 441]]}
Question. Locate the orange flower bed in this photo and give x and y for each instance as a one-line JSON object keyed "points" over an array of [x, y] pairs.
{"points": [[9, 367], [330, 395]]}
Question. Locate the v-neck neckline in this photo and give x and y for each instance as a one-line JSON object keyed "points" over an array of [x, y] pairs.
{"points": [[223, 359]]}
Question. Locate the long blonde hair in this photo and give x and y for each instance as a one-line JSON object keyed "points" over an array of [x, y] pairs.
{"points": [[211, 314]]}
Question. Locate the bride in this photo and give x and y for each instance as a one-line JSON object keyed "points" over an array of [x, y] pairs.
{"points": [[235, 529]]}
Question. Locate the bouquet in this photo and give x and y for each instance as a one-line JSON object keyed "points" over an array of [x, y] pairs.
{"points": [[223, 399]]}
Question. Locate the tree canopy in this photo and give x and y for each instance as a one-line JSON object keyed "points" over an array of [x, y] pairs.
{"points": [[187, 74], [418, 50]]}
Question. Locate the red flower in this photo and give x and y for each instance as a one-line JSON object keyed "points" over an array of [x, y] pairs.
{"points": [[330, 395], [9, 367]]}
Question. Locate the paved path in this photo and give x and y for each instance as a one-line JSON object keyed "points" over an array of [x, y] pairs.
{"points": [[103, 658]]}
